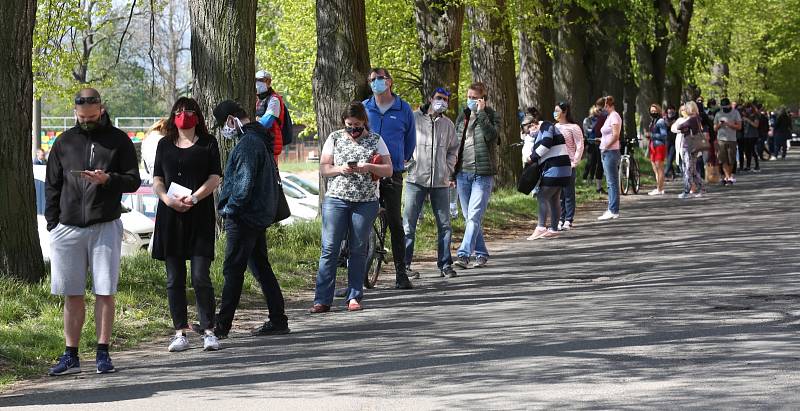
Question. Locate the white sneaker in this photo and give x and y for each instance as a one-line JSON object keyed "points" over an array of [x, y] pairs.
{"points": [[683, 196], [655, 192], [537, 233], [179, 343], [773, 158], [566, 226], [560, 226], [608, 215], [662, 192], [210, 342]]}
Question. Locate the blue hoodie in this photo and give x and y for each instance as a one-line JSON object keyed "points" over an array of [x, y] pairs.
{"points": [[396, 127]]}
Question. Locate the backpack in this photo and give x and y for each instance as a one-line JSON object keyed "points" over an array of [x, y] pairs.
{"points": [[287, 126]]}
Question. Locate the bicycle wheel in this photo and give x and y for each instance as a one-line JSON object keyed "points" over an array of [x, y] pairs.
{"points": [[376, 254], [624, 175], [635, 176]]}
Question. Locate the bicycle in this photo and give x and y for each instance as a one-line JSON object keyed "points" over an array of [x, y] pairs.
{"points": [[377, 254], [629, 175]]}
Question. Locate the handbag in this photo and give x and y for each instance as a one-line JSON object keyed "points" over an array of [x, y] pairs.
{"points": [[529, 178], [697, 142], [712, 173]]}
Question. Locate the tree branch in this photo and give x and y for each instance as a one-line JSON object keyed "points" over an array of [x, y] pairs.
{"points": [[124, 32]]}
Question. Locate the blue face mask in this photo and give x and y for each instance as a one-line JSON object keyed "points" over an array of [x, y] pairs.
{"points": [[555, 115], [378, 86], [472, 104]]}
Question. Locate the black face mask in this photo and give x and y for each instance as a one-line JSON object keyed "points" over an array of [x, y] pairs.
{"points": [[726, 109], [354, 131], [654, 115], [672, 115]]}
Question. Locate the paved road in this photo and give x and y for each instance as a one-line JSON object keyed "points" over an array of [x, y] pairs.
{"points": [[679, 304]]}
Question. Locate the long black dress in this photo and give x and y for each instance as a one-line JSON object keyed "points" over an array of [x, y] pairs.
{"points": [[191, 233]]}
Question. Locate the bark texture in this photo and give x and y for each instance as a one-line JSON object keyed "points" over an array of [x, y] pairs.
{"points": [[223, 56], [439, 27], [571, 74], [20, 253], [493, 63], [535, 71], [342, 67]]}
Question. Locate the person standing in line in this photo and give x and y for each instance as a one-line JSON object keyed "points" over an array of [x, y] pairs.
{"points": [[529, 129], [672, 153], [690, 125], [349, 161], [751, 135], [429, 174], [551, 153], [90, 166], [594, 164], [269, 110], [187, 156], [657, 132], [727, 122], [573, 139], [392, 119], [248, 203], [781, 133], [609, 149], [475, 172]]}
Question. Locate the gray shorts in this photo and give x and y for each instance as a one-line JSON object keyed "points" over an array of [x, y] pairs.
{"points": [[76, 250]]}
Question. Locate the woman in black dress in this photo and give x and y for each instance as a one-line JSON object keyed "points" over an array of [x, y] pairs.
{"points": [[187, 157]]}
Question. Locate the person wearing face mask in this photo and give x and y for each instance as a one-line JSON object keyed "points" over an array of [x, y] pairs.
{"points": [[594, 166], [392, 119], [248, 203], [573, 140], [669, 162], [475, 170], [530, 127], [351, 159], [187, 156], [727, 122], [657, 132], [89, 168], [270, 110], [429, 174]]}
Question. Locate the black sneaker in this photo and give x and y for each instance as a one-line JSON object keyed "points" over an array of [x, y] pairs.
{"points": [[462, 262], [449, 272], [104, 364], [67, 364], [411, 273], [220, 333], [403, 283], [270, 329]]}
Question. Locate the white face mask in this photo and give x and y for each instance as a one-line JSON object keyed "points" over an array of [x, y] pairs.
{"points": [[261, 87], [439, 106], [232, 132]]}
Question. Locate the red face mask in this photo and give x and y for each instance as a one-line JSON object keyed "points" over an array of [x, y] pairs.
{"points": [[185, 121]]}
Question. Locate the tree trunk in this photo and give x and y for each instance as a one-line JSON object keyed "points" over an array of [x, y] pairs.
{"points": [[342, 67], [20, 253], [535, 71], [675, 60], [439, 27], [571, 75], [223, 56], [492, 62]]}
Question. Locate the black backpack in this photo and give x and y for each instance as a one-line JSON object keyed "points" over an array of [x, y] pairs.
{"points": [[287, 127]]}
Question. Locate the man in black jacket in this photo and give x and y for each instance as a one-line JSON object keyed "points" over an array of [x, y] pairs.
{"points": [[90, 166], [248, 203]]}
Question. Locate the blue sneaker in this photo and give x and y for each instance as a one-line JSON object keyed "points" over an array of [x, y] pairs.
{"points": [[104, 365], [67, 364]]}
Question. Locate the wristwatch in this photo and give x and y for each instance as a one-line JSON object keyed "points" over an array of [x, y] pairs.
{"points": [[194, 199]]}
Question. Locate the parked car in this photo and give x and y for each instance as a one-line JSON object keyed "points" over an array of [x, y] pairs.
{"points": [[795, 139], [302, 208], [144, 200], [137, 228], [305, 192]]}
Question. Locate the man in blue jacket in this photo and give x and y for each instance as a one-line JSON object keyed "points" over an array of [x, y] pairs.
{"points": [[248, 203], [392, 119]]}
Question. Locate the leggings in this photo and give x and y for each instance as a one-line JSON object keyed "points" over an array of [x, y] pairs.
{"points": [[549, 205]]}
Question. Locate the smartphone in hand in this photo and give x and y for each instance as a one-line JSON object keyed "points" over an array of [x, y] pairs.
{"points": [[352, 164], [77, 172]]}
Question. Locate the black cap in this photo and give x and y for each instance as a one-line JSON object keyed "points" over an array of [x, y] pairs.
{"points": [[225, 109], [725, 102]]}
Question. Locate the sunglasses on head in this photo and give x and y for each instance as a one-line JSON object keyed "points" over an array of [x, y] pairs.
{"points": [[79, 101], [379, 78]]}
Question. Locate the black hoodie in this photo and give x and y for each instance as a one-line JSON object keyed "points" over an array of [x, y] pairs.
{"points": [[71, 200]]}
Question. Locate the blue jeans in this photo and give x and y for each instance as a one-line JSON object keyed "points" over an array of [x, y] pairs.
{"points": [[474, 192], [342, 218], [414, 198], [568, 200], [611, 169]]}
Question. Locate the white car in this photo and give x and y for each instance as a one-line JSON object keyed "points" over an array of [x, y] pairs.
{"points": [[302, 196], [137, 228]]}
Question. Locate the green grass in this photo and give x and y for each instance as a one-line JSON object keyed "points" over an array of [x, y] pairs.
{"points": [[297, 166], [30, 318]]}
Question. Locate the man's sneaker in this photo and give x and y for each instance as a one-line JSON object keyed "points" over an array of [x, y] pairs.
{"points": [[566, 226], [67, 364], [403, 283], [411, 273], [449, 272], [462, 262], [271, 329], [684, 196], [560, 225], [772, 158], [210, 342], [608, 215], [178, 343], [104, 365], [220, 333], [481, 261]]}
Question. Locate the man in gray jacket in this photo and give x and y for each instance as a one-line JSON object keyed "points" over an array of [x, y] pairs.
{"points": [[429, 174]]}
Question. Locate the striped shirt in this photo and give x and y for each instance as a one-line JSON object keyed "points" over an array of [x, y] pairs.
{"points": [[550, 150], [573, 137]]}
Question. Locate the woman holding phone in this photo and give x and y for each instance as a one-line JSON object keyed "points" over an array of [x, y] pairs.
{"points": [[187, 160], [348, 160]]}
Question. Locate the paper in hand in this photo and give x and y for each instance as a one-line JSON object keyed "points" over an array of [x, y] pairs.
{"points": [[177, 191]]}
